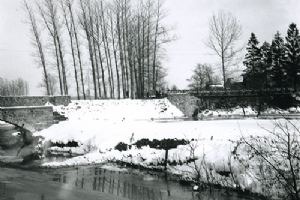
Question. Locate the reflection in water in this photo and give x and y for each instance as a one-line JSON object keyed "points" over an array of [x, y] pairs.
{"points": [[2, 189], [121, 184], [7, 194], [135, 185], [91, 183]]}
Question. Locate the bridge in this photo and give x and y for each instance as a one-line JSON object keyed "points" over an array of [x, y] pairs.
{"points": [[30, 112], [232, 93], [190, 100]]}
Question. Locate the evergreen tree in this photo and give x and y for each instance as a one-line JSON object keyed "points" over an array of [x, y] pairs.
{"points": [[292, 47], [279, 75], [266, 63], [252, 63]]}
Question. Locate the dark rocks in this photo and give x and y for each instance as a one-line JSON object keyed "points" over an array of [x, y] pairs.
{"points": [[9, 137], [57, 117], [17, 144]]}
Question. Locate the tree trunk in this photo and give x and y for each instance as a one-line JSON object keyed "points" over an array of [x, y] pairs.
{"points": [[75, 68], [101, 59], [107, 50], [63, 69], [49, 21], [35, 32], [223, 70], [139, 60], [166, 159], [148, 56], [126, 52], [88, 36], [155, 50], [77, 47], [121, 56], [97, 67], [143, 61], [71, 37], [58, 68], [115, 57]]}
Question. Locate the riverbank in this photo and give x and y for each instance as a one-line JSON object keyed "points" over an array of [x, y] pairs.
{"points": [[95, 128], [210, 154]]}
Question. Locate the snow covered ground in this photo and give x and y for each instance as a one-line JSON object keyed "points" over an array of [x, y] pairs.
{"points": [[98, 126], [239, 112], [104, 123], [120, 110]]}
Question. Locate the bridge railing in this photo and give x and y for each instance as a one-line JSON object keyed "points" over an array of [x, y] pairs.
{"points": [[277, 91]]}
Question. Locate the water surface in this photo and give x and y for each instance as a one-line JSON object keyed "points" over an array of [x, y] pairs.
{"points": [[98, 183]]}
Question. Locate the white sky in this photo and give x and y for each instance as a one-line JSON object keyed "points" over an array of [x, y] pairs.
{"points": [[188, 17]]}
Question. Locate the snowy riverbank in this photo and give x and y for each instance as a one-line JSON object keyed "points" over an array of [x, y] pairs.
{"points": [[98, 126]]}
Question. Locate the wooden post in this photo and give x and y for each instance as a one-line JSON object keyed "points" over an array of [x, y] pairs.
{"points": [[166, 159]]}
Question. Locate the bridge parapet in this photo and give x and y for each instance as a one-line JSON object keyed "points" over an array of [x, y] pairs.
{"points": [[232, 93], [32, 118], [189, 101], [30, 112], [12, 101]]}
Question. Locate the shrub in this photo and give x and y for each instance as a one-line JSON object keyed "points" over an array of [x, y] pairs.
{"points": [[121, 146]]}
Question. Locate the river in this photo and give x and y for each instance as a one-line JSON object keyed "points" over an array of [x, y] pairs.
{"points": [[91, 182], [99, 182]]}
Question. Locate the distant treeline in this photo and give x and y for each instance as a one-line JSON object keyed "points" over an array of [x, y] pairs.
{"points": [[18, 87]]}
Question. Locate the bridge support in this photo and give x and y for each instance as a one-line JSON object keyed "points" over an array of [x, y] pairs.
{"points": [[184, 102]]}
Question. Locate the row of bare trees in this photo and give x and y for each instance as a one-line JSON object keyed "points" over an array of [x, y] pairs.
{"points": [[113, 48], [18, 87]]}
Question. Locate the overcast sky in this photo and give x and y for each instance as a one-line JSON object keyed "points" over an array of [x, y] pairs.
{"points": [[189, 19]]}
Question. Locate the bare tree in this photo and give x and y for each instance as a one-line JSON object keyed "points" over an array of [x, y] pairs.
{"points": [[74, 26], [112, 31], [198, 164], [70, 29], [203, 75], [275, 157], [85, 20], [52, 84], [38, 45], [149, 6], [92, 21], [118, 10], [105, 39], [98, 49], [224, 32], [50, 16], [127, 63], [155, 46], [18, 87]]}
